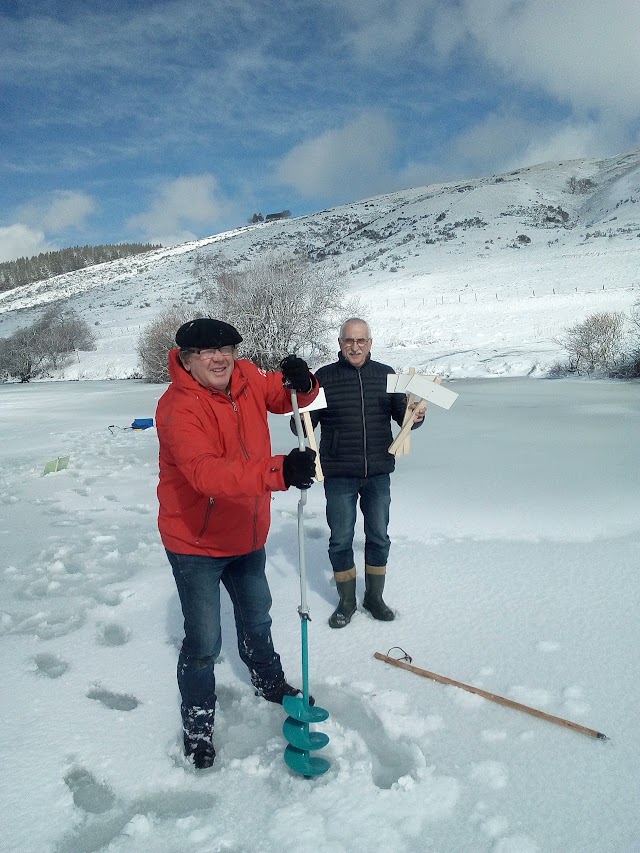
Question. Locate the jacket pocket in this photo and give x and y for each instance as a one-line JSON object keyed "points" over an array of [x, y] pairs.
{"points": [[207, 515], [329, 442]]}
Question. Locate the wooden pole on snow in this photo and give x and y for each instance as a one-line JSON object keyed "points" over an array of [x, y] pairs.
{"points": [[493, 697]]}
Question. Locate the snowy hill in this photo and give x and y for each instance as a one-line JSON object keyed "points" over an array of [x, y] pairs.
{"points": [[471, 278]]}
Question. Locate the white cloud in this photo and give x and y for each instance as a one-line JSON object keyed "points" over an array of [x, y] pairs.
{"points": [[381, 28], [505, 140], [345, 163], [69, 209], [187, 201], [20, 241], [55, 214], [582, 51], [492, 140], [570, 141], [62, 210]]}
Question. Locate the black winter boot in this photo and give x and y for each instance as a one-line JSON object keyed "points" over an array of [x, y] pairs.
{"points": [[197, 727], [199, 746], [346, 586], [374, 586]]}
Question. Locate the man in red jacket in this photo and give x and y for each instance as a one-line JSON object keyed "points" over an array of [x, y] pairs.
{"points": [[217, 473]]}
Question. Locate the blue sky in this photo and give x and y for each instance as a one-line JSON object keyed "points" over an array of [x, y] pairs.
{"points": [[164, 121]]}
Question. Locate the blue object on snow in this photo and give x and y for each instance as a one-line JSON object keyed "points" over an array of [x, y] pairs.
{"points": [[142, 423]]}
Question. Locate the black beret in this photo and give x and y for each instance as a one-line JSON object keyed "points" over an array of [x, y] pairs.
{"points": [[205, 332]]}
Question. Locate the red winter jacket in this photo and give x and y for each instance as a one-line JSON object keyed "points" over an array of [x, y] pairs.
{"points": [[216, 467]]}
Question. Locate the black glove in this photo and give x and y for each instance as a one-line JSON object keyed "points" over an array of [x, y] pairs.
{"points": [[296, 374], [299, 468]]}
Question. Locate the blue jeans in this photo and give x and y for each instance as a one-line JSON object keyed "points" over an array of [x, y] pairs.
{"points": [[342, 498], [198, 582]]}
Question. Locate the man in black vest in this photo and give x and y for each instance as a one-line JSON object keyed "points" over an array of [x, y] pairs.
{"points": [[354, 442]]}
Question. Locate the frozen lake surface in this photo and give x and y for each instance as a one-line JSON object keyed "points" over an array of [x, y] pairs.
{"points": [[514, 567]]}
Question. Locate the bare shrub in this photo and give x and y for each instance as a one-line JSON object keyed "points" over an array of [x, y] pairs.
{"points": [[157, 339], [45, 345], [634, 317], [279, 304], [20, 355], [629, 367], [62, 332], [595, 344]]}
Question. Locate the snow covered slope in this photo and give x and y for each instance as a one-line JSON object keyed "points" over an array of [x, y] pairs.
{"points": [[471, 278]]}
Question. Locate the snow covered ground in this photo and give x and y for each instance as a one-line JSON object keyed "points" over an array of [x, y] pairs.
{"points": [[514, 567]]}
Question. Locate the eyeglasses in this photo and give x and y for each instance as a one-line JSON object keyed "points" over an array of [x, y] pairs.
{"points": [[209, 352], [358, 341]]}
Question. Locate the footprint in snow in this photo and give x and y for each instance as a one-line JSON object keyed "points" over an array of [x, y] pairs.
{"points": [[110, 597], [108, 819], [88, 794], [50, 665], [48, 624], [113, 634], [115, 701]]}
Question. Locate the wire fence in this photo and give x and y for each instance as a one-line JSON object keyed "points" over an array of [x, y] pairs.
{"points": [[467, 297]]}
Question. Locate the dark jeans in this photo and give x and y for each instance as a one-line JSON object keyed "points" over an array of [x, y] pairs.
{"points": [[342, 498], [198, 581]]}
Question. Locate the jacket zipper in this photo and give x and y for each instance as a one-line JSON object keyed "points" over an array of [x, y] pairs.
{"points": [[246, 453], [364, 424], [242, 445]]}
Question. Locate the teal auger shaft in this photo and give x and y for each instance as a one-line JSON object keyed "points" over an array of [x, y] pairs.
{"points": [[301, 741], [304, 630]]}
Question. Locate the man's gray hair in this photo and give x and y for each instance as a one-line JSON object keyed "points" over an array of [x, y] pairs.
{"points": [[354, 320]]}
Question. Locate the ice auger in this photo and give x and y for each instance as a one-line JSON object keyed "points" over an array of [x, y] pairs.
{"points": [[301, 714]]}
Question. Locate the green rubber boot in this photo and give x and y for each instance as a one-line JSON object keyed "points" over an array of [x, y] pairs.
{"points": [[346, 586], [374, 586]]}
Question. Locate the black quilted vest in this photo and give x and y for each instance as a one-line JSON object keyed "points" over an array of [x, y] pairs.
{"points": [[356, 425]]}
